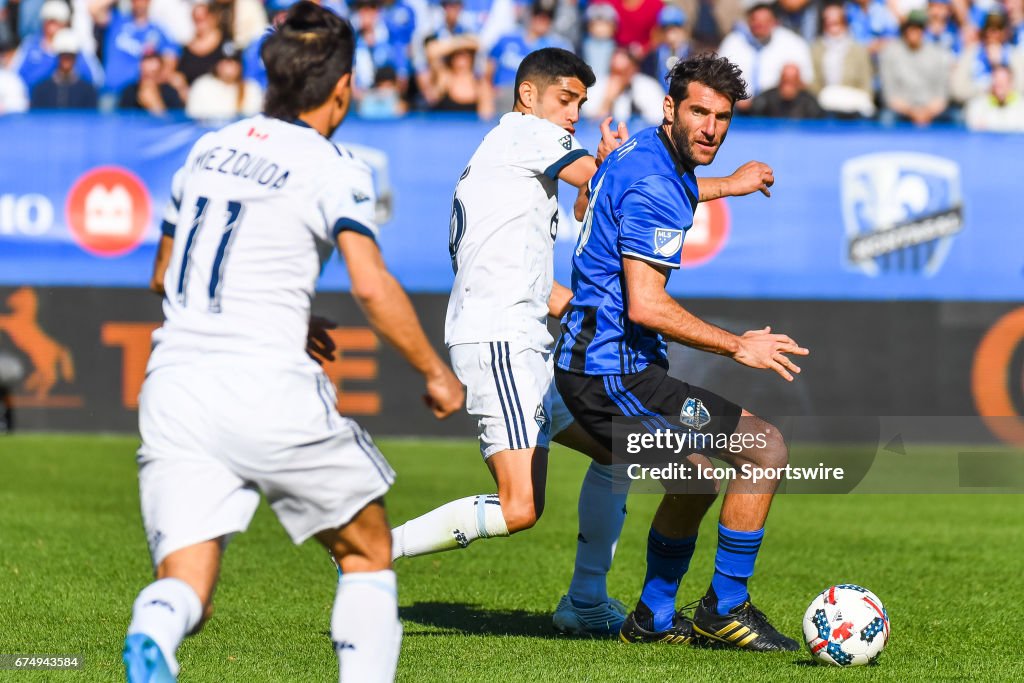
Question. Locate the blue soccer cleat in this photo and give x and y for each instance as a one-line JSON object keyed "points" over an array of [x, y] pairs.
{"points": [[144, 662], [603, 620]]}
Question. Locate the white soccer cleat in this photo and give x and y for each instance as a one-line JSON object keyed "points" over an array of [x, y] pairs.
{"points": [[601, 620]]}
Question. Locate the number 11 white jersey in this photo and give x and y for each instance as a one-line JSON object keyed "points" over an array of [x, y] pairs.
{"points": [[254, 213], [503, 226]]}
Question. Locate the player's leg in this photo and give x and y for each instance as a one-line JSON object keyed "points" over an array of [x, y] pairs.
{"points": [[506, 392], [726, 613], [365, 628], [170, 608]]}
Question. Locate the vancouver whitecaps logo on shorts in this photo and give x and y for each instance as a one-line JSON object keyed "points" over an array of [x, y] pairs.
{"points": [[667, 241], [694, 415], [901, 210]]}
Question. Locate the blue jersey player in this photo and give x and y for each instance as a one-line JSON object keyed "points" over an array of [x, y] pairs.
{"points": [[611, 360]]}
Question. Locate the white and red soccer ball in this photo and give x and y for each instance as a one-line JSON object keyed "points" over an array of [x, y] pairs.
{"points": [[846, 626]]}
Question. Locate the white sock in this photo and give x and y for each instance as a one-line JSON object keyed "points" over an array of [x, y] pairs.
{"points": [[166, 611], [453, 525], [602, 512], [365, 628]]}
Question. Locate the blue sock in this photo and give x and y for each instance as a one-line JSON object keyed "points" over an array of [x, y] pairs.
{"points": [[602, 511], [667, 561], [734, 565]]}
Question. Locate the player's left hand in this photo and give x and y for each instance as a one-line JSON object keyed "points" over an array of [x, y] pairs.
{"points": [[319, 345], [753, 176], [610, 141]]}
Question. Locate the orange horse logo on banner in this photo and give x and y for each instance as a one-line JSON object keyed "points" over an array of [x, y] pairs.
{"points": [[50, 361]]}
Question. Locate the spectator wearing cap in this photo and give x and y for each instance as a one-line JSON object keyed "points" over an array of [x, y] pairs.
{"points": [[13, 91], [940, 27], [224, 94], [872, 23], [672, 44], [599, 42], [36, 58], [453, 22], [201, 54], [788, 100], [504, 58], [64, 89], [626, 92], [843, 73], [972, 74], [760, 48], [711, 20], [1001, 109], [126, 36], [914, 75], [151, 92], [637, 21], [374, 49]]}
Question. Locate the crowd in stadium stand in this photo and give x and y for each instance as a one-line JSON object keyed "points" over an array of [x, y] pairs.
{"points": [[918, 61]]}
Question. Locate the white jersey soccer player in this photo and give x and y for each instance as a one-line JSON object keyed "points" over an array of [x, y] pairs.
{"points": [[232, 405]]}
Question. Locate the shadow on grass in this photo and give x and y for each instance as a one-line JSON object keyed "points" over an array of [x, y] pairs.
{"points": [[449, 617]]}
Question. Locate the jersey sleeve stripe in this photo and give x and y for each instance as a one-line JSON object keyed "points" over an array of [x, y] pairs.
{"points": [[167, 228], [355, 226], [642, 257], [554, 169]]}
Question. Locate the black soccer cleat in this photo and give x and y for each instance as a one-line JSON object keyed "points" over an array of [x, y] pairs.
{"points": [[637, 628], [745, 627]]}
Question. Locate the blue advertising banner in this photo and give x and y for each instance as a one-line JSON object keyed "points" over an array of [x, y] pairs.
{"points": [[857, 212]]}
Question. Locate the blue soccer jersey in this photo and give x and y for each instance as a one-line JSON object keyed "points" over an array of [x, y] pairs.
{"points": [[642, 201]]}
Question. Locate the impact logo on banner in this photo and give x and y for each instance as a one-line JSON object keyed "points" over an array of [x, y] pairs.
{"points": [[708, 235], [901, 211], [108, 211]]}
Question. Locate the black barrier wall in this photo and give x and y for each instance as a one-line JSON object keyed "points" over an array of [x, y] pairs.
{"points": [[84, 353]]}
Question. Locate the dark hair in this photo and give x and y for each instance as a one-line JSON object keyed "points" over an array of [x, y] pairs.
{"points": [[717, 73], [545, 66], [305, 57]]}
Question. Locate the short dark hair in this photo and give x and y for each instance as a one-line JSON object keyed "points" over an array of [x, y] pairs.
{"points": [[545, 66], [717, 73], [305, 57]]}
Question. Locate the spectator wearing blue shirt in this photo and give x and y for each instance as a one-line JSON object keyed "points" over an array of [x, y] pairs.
{"points": [[508, 52], [36, 58], [374, 48], [400, 20], [64, 88], [941, 28], [599, 39], [871, 23], [672, 45], [972, 75], [125, 37]]}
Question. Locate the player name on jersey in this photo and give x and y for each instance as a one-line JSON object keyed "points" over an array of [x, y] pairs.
{"points": [[230, 161]]}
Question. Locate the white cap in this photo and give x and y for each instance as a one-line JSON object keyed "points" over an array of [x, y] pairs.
{"points": [[748, 5], [65, 42], [55, 10]]}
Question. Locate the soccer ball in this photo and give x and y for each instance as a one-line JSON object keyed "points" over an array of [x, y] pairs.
{"points": [[846, 626]]}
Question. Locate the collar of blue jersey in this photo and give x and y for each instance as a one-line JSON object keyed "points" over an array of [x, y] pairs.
{"points": [[681, 167]]}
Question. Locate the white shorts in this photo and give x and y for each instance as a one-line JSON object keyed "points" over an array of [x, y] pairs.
{"points": [[512, 394], [215, 437]]}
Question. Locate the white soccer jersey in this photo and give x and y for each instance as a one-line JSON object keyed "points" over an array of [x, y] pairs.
{"points": [[254, 213], [503, 225]]}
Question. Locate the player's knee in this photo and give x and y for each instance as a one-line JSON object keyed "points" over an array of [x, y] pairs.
{"points": [[771, 451], [521, 515]]}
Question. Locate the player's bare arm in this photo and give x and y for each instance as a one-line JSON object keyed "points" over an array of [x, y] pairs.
{"points": [[390, 313], [558, 302], [753, 176], [650, 305], [160, 263]]}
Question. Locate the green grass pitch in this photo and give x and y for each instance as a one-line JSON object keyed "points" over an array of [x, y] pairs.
{"points": [[73, 557]]}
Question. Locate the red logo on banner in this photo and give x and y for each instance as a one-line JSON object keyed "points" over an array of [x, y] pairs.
{"points": [[708, 235], [108, 211]]}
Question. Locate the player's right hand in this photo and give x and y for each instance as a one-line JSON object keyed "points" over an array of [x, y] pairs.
{"points": [[764, 350], [445, 393]]}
